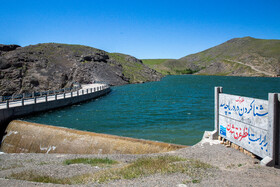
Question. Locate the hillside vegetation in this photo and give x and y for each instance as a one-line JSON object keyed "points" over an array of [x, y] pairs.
{"points": [[154, 63], [238, 57]]}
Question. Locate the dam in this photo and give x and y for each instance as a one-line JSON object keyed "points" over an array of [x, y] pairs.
{"points": [[12, 109], [25, 137]]}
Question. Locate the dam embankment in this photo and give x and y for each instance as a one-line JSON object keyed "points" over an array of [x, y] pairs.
{"points": [[23, 107], [26, 137]]}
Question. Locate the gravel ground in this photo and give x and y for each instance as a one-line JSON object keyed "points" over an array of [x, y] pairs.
{"points": [[231, 168]]}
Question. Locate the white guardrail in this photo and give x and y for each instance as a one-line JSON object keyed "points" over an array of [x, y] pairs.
{"points": [[86, 89]]}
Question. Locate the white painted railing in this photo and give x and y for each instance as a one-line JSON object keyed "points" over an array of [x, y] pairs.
{"points": [[57, 96]]}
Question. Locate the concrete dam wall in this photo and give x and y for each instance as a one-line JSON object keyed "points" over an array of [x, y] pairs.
{"points": [[14, 109], [26, 137], [9, 113]]}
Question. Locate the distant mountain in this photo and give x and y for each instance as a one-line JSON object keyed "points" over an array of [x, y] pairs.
{"points": [[53, 66], [237, 57]]}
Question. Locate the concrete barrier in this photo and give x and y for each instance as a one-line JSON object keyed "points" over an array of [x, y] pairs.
{"points": [[26, 137]]}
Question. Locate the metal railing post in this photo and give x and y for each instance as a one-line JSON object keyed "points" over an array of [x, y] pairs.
{"points": [[55, 96], [82, 92], [64, 95], [71, 94], [7, 104], [46, 98], [22, 101], [90, 90], [78, 93], [35, 100]]}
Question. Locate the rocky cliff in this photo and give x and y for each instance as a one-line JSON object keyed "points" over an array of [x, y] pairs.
{"points": [[54, 66]]}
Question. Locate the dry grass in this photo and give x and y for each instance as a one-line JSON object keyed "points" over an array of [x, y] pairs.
{"points": [[140, 168], [92, 161], [35, 177]]}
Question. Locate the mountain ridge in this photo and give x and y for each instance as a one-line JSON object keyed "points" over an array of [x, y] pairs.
{"points": [[245, 56]]}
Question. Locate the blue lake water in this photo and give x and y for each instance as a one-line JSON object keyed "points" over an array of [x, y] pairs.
{"points": [[178, 109]]}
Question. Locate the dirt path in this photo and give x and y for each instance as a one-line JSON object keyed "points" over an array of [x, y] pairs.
{"points": [[252, 67]]}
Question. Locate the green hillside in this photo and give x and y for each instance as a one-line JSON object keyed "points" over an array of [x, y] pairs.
{"points": [[238, 57], [154, 64], [169, 67]]}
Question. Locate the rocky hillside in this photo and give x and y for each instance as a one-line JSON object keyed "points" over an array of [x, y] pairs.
{"points": [[54, 66], [238, 57]]}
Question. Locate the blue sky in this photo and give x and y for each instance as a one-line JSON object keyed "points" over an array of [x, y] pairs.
{"points": [[142, 28]]}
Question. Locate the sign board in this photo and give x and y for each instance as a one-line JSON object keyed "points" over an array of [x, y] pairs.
{"points": [[244, 121]]}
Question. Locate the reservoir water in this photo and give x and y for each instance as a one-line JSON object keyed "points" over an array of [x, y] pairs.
{"points": [[178, 109]]}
